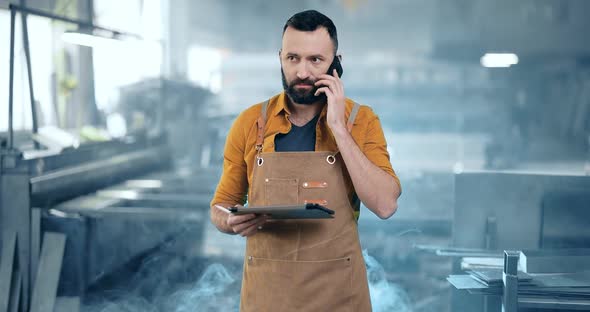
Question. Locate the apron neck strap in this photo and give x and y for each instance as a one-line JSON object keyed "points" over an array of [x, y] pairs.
{"points": [[353, 113], [260, 123]]}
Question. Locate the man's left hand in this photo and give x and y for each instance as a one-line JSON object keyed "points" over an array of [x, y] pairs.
{"points": [[334, 90]]}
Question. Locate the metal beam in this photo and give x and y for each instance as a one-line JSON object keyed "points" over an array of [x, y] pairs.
{"points": [[47, 280], [6, 268], [27, 49], [81, 23], [11, 82], [35, 240], [138, 212], [510, 280], [172, 198], [15, 296], [16, 217], [97, 172]]}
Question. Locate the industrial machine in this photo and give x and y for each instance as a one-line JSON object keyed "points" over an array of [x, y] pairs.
{"points": [[112, 202]]}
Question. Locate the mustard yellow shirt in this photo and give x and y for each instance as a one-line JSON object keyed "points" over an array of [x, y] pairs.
{"points": [[240, 146]]}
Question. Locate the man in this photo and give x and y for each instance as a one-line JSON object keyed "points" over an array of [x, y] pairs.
{"points": [[308, 144]]}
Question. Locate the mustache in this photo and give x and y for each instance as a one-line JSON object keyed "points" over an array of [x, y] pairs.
{"points": [[304, 81]]}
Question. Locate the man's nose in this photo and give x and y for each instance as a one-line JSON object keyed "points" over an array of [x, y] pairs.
{"points": [[303, 71]]}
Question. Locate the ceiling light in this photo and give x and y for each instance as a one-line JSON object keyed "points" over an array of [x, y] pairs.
{"points": [[499, 60]]}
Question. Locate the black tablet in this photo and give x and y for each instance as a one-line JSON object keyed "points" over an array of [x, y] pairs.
{"points": [[302, 211]]}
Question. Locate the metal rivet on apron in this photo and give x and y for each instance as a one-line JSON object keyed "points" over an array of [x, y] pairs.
{"points": [[331, 159], [266, 180], [249, 258], [260, 161], [305, 184]]}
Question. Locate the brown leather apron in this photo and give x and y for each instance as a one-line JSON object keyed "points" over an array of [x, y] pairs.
{"points": [[303, 265]]}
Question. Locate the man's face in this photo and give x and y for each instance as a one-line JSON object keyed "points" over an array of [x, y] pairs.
{"points": [[305, 56]]}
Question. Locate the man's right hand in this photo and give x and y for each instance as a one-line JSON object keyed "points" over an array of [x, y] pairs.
{"points": [[247, 224]]}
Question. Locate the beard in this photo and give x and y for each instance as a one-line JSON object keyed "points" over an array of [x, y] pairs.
{"points": [[302, 96]]}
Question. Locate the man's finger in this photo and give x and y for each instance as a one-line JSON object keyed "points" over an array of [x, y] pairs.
{"points": [[249, 230], [322, 90], [240, 227], [235, 220], [335, 85], [328, 77], [325, 90], [325, 82], [253, 228]]}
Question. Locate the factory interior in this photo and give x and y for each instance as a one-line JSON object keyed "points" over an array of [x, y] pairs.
{"points": [[114, 117]]}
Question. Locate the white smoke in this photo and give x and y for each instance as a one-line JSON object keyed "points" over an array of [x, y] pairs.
{"points": [[385, 296], [156, 287], [210, 293], [215, 290]]}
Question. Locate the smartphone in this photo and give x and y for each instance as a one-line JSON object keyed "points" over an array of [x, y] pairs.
{"points": [[336, 65]]}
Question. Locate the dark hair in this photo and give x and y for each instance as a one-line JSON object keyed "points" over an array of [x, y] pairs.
{"points": [[310, 20]]}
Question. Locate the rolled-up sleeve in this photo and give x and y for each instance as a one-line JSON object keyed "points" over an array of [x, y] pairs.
{"points": [[375, 147], [233, 185]]}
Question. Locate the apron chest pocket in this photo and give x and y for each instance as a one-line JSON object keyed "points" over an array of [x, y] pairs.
{"points": [[281, 191]]}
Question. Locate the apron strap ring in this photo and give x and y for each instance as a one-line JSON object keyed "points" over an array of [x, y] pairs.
{"points": [[331, 159]]}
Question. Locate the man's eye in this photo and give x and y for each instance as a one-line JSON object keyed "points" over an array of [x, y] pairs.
{"points": [[316, 60], [290, 58]]}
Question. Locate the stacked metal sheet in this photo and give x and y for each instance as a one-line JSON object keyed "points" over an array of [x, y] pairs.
{"points": [[574, 286]]}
